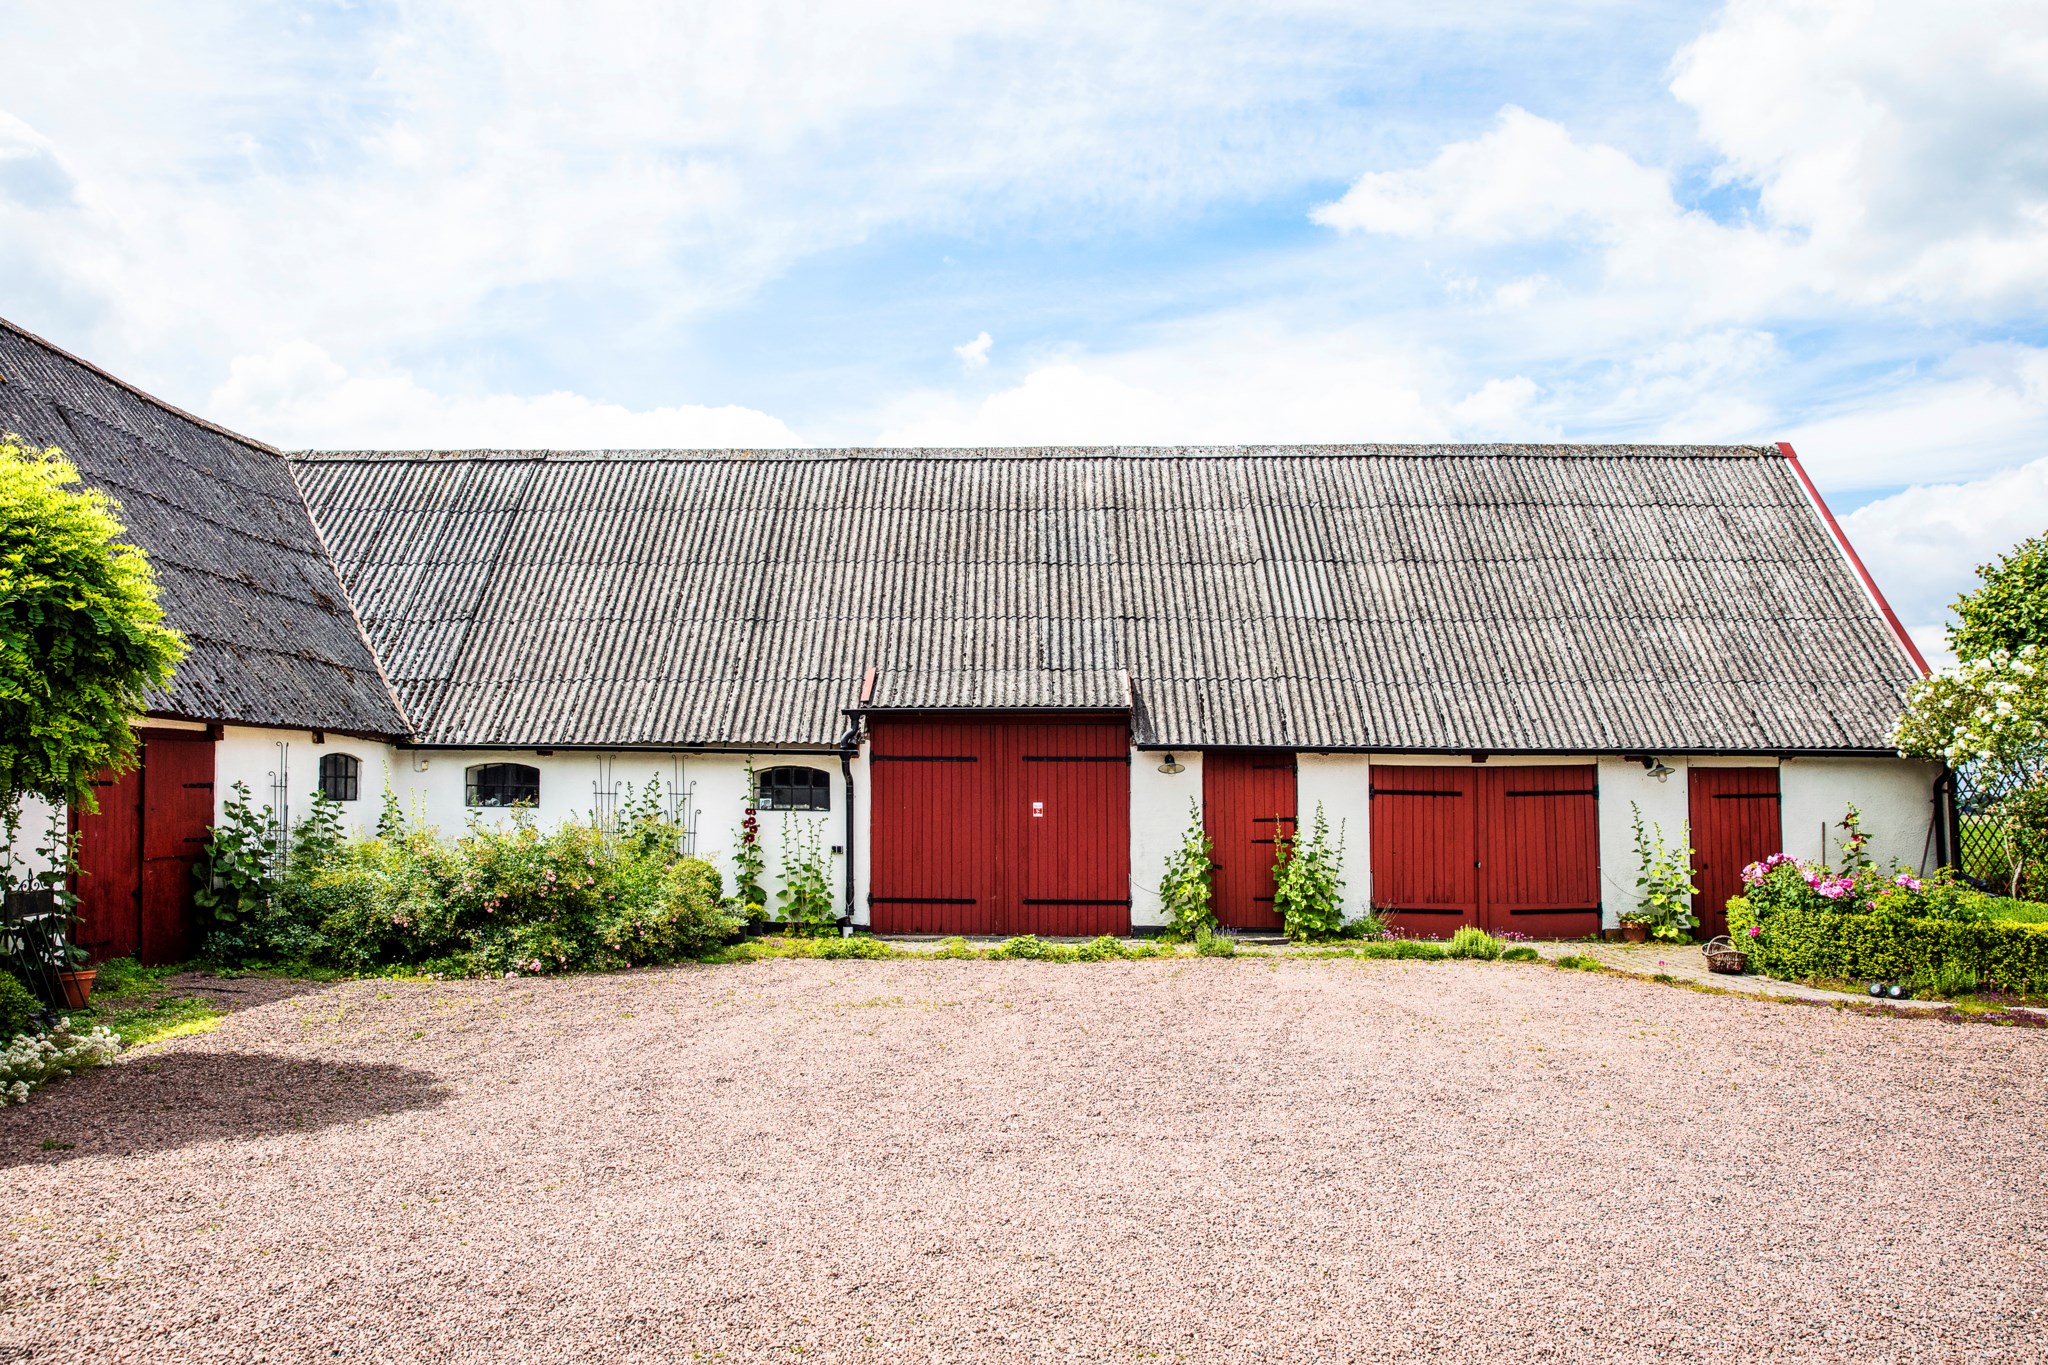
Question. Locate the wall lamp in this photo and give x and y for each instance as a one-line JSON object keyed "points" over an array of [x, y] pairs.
{"points": [[1172, 765], [1657, 768]]}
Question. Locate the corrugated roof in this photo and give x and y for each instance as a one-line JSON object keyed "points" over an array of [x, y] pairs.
{"points": [[239, 567], [1496, 598]]}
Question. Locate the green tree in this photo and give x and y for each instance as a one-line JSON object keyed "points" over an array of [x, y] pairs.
{"points": [[2009, 610], [82, 639], [1990, 716]]}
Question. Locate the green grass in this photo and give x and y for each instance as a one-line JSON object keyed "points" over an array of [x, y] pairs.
{"points": [[129, 1000], [2020, 912]]}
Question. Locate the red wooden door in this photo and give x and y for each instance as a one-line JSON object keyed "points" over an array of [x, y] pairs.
{"points": [[109, 881], [1509, 849], [1735, 821], [1248, 798], [1066, 791], [1000, 825], [1539, 850], [177, 807], [1425, 831], [933, 826]]}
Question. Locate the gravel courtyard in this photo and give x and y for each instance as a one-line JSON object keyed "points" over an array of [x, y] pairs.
{"points": [[1255, 1160]]}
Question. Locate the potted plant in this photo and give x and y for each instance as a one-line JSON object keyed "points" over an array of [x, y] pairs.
{"points": [[1635, 927], [74, 978]]}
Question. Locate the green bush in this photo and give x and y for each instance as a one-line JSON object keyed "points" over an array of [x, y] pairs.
{"points": [[17, 1007], [1472, 941], [1578, 962], [498, 899], [1028, 948], [1520, 953], [1308, 882], [1215, 945], [1886, 944]]}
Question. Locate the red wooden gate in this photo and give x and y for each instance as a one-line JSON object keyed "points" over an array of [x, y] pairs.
{"points": [[136, 853], [1507, 849], [1248, 799], [1000, 825], [1734, 815]]}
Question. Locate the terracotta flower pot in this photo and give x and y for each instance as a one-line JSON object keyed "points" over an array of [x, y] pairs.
{"points": [[1635, 933], [77, 988]]}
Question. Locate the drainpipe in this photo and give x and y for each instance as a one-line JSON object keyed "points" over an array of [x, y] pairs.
{"points": [[849, 745]]}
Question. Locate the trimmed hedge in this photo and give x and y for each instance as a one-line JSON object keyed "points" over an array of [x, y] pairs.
{"points": [[1890, 947]]}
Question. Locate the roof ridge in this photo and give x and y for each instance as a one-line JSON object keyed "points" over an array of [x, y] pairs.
{"points": [[118, 382], [768, 454]]}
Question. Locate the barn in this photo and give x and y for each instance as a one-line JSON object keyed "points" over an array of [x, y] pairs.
{"points": [[998, 684]]}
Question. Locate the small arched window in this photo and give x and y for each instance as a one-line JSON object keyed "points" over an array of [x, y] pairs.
{"points": [[501, 784], [795, 789], [341, 776]]}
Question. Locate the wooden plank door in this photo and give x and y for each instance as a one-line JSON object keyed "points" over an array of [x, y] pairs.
{"points": [[177, 807], [1065, 790], [1539, 850], [109, 881], [934, 838], [1425, 830], [1248, 798], [1735, 820]]}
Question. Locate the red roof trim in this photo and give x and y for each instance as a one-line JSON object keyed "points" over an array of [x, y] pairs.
{"points": [[1855, 561]]}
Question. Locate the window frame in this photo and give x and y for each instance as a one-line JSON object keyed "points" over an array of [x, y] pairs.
{"points": [[341, 770], [818, 789], [473, 786]]}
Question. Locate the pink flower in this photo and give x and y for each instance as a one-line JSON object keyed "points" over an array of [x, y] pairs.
{"points": [[1756, 930], [1908, 881]]}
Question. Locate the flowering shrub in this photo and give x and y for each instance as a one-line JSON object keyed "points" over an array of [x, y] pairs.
{"points": [[500, 899], [1185, 883], [1308, 889], [32, 1060]]}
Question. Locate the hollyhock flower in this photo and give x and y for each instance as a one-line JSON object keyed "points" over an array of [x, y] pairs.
{"points": [[1907, 880]]}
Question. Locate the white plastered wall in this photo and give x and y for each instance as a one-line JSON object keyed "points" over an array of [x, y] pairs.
{"points": [[431, 786], [1159, 817], [1894, 795], [1626, 785], [1342, 785], [255, 757], [38, 824]]}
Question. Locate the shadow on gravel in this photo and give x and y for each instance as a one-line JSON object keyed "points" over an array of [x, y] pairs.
{"points": [[175, 1099]]}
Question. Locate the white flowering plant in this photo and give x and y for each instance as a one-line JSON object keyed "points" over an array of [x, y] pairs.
{"points": [[32, 1060], [1989, 716]]}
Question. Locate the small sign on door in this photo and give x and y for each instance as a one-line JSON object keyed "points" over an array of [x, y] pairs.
{"points": [[1038, 810]]}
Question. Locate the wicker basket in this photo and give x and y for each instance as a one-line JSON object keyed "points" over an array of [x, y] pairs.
{"points": [[1724, 956]]}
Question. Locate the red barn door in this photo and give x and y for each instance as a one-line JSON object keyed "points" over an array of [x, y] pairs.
{"points": [[109, 881], [1539, 859], [1000, 825], [136, 853], [1248, 798], [1425, 823], [1066, 791], [177, 807], [1508, 849], [934, 841], [1735, 821]]}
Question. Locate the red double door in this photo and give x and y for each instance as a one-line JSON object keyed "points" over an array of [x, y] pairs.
{"points": [[1735, 820], [1000, 825], [137, 851], [1506, 849]]}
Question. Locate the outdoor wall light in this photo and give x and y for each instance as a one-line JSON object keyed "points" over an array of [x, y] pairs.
{"points": [[1172, 765], [1657, 768]]}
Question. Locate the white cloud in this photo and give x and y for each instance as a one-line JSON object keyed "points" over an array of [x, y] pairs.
{"points": [[1924, 545], [1984, 409], [974, 354], [1893, 146], [297, 396]]}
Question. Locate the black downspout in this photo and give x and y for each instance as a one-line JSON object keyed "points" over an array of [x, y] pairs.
{"points": [[849, 745]]}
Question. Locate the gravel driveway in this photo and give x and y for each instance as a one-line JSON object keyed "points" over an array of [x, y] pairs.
{"points": [[1255, 1160]]}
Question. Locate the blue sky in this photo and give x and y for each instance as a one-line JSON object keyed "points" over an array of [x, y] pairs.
{"points": [[508, 223]]}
